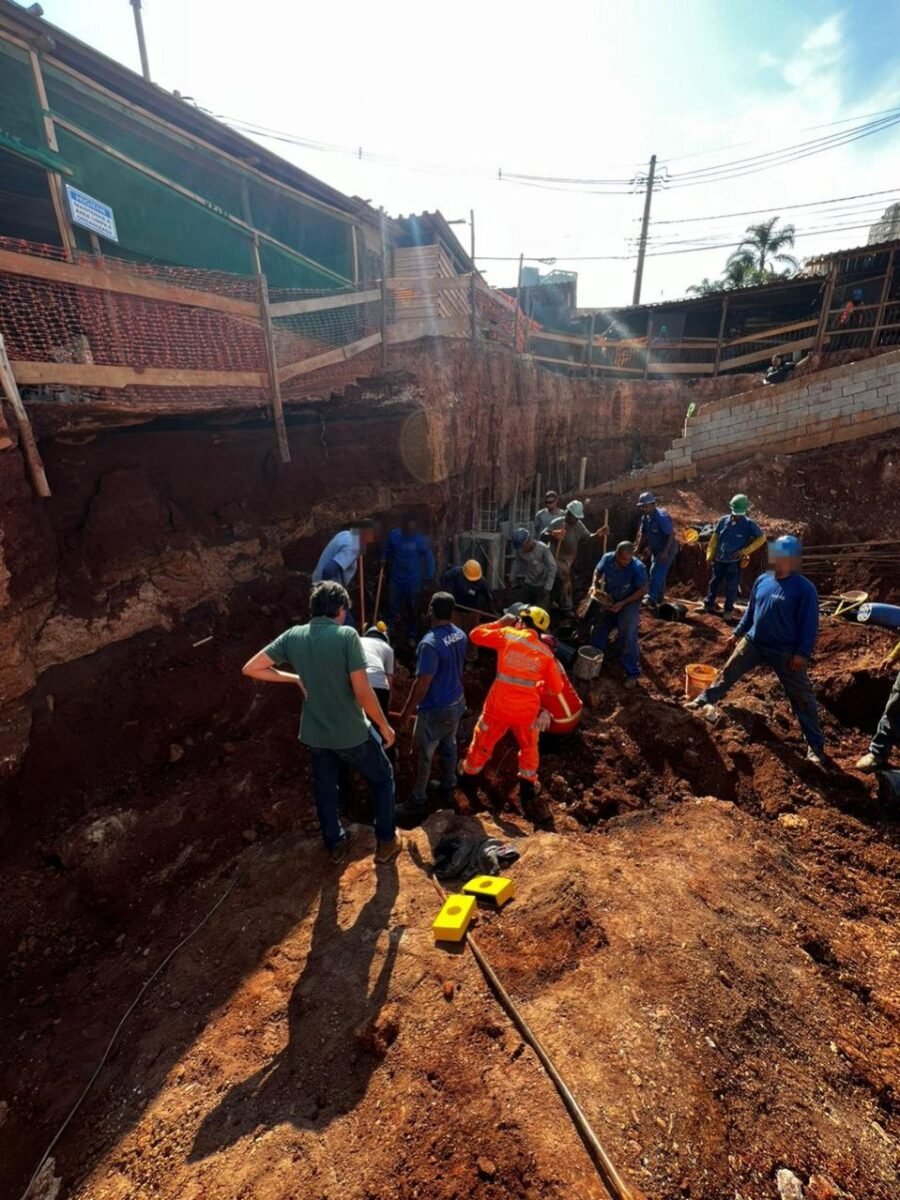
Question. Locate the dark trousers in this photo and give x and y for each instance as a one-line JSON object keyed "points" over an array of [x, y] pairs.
{"points": [[405, 602], [727, 575], [436, 730], [370, 760], [887, 735], [796, 684]]}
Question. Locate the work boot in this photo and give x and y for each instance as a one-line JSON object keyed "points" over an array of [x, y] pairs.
{"points": [[533, 803], [630, 682], [386, 852], [409, 813], [697, 702], [712, 609], [871, 762], [340, 851], [816, 757]]}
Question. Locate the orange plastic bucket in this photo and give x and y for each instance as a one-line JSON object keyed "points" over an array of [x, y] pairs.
{"points": [[697, 676]]}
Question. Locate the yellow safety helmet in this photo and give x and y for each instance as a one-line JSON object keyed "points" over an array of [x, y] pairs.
{"points": [[472, 570], [540, 618]]}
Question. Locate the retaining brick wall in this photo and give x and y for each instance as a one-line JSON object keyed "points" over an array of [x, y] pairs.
{"points": [[838, 405]]}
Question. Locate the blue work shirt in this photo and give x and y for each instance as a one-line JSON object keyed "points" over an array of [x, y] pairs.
{"points": [[657, 528], [409, 558], [621, 581], [783, 615], [442, 654], [343, 552], [734, 536]]}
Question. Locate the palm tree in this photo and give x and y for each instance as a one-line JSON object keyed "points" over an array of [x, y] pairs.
{"points": [[741, 271], [764, 247], [706, 287]]}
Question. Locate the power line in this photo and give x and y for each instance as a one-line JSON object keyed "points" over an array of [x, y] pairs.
{"points": [[753, 212]]}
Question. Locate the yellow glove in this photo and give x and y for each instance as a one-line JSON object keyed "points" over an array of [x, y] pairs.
{"points": [[754, 546], [745, 561], [711, 547]]}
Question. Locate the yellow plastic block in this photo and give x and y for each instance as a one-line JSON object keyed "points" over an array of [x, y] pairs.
{"points": [[452, 921], [491, 887]]}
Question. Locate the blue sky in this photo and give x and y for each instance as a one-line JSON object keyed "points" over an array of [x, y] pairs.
{"points": [[582, 89]]}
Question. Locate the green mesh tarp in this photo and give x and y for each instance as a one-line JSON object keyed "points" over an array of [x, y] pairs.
{"points": [[19, 111]]}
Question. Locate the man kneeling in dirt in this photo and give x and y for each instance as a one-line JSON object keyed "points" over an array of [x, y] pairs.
{"points": [[778, 630], [330, 669]]}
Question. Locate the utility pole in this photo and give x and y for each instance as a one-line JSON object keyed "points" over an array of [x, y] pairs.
{"points": [[142, 45], [645, 224], [473, 287]]}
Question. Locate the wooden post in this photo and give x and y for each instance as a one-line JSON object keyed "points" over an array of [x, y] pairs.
{"points": [[384, 294], [826, 309], [272, 367], [26, 433], [722, 320], [362, 593], [582, 474], [590, 346], [882, 303], [473, 282], [606, 535], [649, 342], [515, 341], [54, 181]]}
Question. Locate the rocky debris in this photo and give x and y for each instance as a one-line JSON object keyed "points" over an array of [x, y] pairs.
{"points": [[820, 1187], [95, 837], [789, 1186], [48, 1184], [176, 752], [487, 1168], [378, 1034]]}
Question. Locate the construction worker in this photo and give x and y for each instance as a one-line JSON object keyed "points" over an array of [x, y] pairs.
{"points": [[887, 735], [657, 532], [469, 589], [379, 655], [533, 572], [548, 513], [778, 630], [438, 702], [340, 558], [340, 715], [527, 674], [620, 580], [409, 562], [734, 539], [566, 532]]}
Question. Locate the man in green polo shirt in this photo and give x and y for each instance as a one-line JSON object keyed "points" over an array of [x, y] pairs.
{"points": [[329, 666]]}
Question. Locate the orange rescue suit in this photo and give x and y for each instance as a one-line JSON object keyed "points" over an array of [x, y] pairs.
{"points": [[527, 674], [565, 708]]}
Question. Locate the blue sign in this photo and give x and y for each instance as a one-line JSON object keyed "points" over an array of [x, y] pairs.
{"points": [[91, 214]]}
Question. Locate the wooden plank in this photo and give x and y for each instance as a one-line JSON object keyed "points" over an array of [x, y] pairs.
{"points": [[54, 181], [682, 368], [769, 333], [100, 276], [26, 433], [293, 308], [428, 283], [410, 331], [882, 303], [95, 375], [744, 360], [281, 436], [329, 359]]}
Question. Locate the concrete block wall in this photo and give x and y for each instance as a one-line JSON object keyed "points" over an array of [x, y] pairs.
{"points": [[843, 404]]}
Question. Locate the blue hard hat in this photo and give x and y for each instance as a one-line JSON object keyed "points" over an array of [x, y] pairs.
{"points": [[786, 547], [520, 537], [646, 498]]}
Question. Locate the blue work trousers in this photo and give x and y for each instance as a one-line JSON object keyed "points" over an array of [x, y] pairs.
{"points": [[626, 623], [729, 575], [405, 603], [436, 730], [659, 569], [887, 735], [798, 688], [372, 763]]}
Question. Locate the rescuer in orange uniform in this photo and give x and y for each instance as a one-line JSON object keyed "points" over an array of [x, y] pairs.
{"points": [[527, 674], [564, 708]]}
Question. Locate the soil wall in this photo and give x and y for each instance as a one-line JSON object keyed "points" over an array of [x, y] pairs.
{"points": [[148, 524]]}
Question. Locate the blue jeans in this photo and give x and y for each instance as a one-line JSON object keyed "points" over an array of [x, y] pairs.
{"points": [[887, 735], [729, 574], [372, 763], [659, 569], [796, 684], [405, 601], [626, 622], [436, 730]]}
